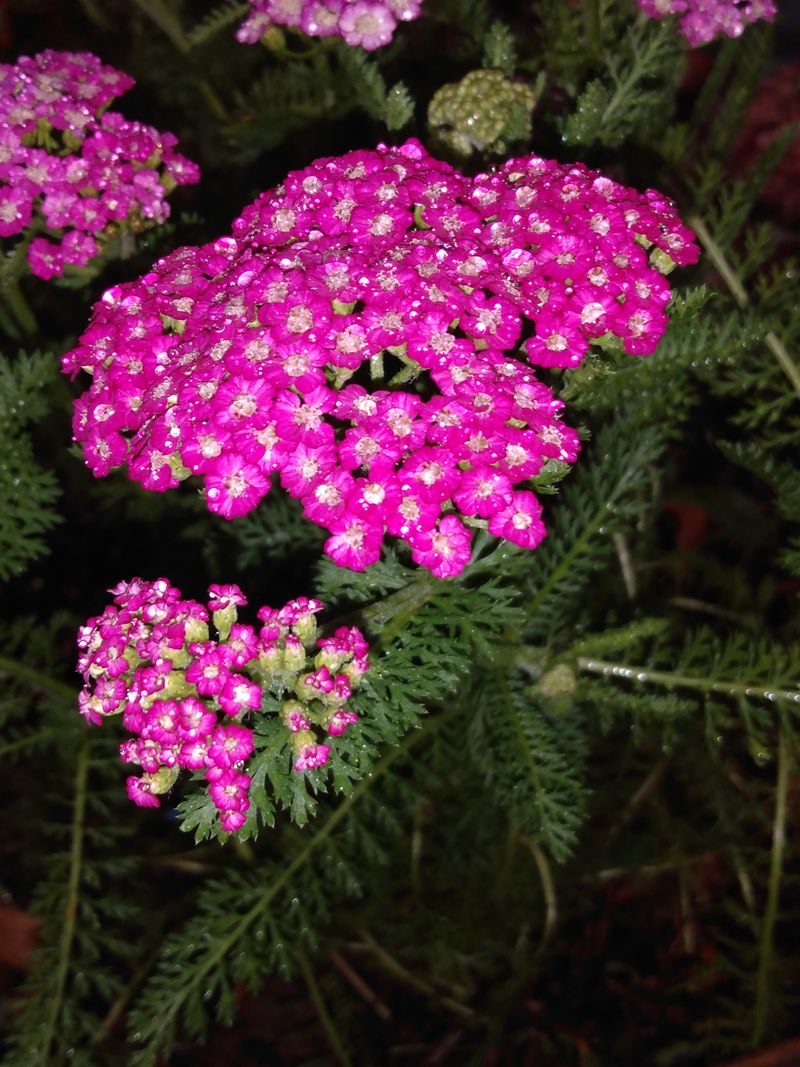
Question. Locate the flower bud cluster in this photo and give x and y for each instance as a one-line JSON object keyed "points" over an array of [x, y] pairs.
{"points": [[356, 335], [702, 20], [484, 111], [368, 23], [186, 697], [70, 169]]}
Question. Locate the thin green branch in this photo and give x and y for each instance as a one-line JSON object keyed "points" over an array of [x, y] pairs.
{"points": [[119, 1006], [38, 738], [686, 681], [731, 279], [70, 907], [593, 27], [328, 1024], [391, 615], [549, 891], [20, 308], [600, 518], [166, 20], [397, 970], [523, 746], [42, 682], [766, 941]]}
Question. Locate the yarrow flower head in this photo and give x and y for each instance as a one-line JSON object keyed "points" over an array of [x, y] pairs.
{"points": [[72, 169], [701, 21], [193, 701], [358, 336], [367, 23]]}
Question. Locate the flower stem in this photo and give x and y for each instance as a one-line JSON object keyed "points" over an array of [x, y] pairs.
{"points": [[686, 681], [397, 970], [389, 616], [39, 738], [766, 940], [20, 309], [592, 19], [42, 682], [71, 904], [328, 1024], [549, 891], [734, 284]]}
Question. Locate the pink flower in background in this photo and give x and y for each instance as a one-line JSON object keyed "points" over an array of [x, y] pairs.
{"points": [[701, 21], [97, 173], [369, 24]]}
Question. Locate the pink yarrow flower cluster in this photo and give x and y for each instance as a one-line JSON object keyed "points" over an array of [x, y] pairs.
{"points": [[702, 20], [358, 337], [187, 697], [368, 23], [73, 174]]}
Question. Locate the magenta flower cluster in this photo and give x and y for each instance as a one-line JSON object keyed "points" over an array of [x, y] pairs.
{"points": [[356, 336], [72, 174], [368, 23], [186, 696], [702, 20]]}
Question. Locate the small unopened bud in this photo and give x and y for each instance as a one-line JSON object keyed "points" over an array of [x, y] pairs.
{"points": [[293, 715], [306, 629], [163, 780], [558, 682], [176, 686], [294, 654], [662, 261], [224, 619]]}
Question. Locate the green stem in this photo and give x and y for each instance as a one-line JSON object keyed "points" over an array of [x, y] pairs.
{"points": [[117, 1009], [20, 309], [549, 891], [38, 680], [766, 940], [71, 906], [8, 325], [166, 20], [214, 101], [523, 747], [31, 739], [592, 18], [389, 616], [225, 944], [686, 681], [397, 970], [731, 279], [601, 517], [328, 1024]]}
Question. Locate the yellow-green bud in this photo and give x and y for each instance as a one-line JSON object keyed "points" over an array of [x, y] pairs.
{"points": [[485, 110]]}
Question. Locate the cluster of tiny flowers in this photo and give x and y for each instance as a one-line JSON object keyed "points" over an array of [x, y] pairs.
{"points": [[703, 20], [70, 169], [186, 696], [368, 23], [356, 336]]}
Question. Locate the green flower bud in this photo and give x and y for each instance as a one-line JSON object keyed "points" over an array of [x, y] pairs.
{"points": [[163, 780], [484, 111], [558, 682]]}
